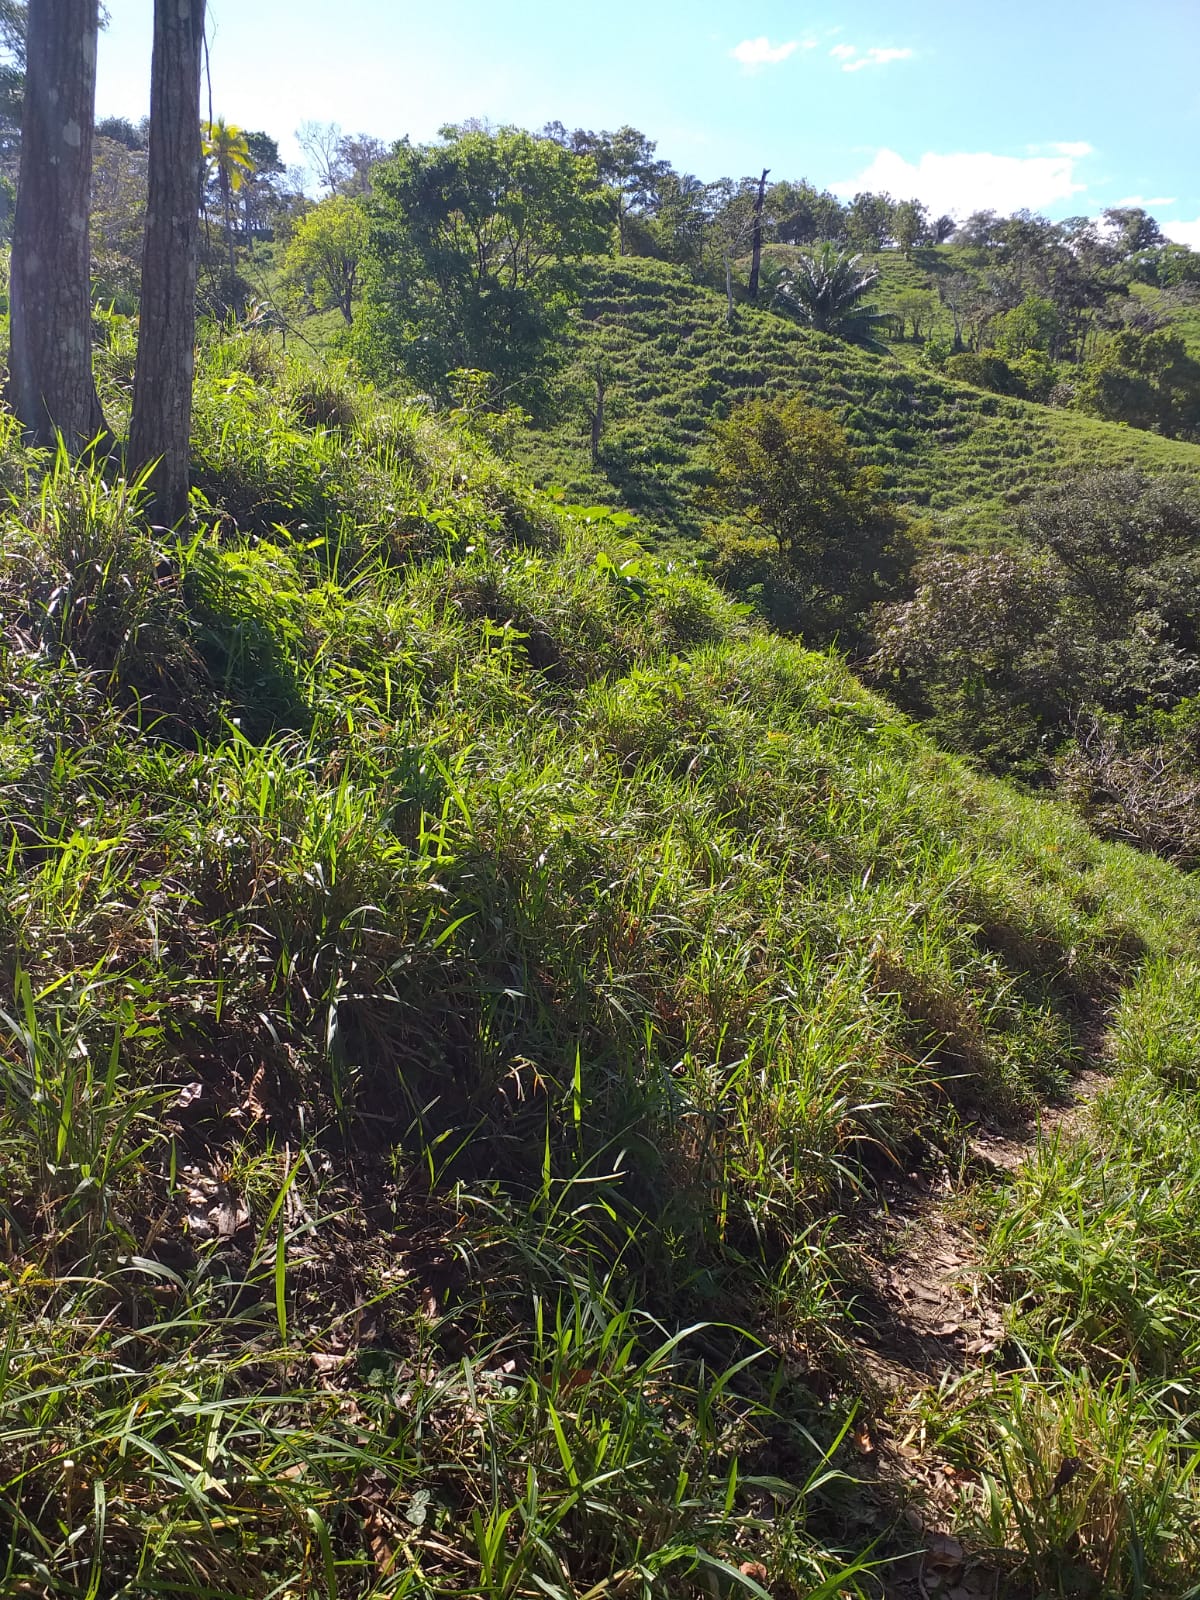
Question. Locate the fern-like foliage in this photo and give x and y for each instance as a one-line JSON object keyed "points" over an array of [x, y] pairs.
{"points": [[825, 290]]}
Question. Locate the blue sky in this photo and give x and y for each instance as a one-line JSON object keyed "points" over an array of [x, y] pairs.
{"points": [[1066, 106]]}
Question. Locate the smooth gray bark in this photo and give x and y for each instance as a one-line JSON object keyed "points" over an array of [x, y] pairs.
{"points": [[51, 385], [160, 430]]}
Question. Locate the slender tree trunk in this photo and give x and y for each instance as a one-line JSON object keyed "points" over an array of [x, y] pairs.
{"points": [[756, 242], [160, 432], [52, 388], [598, 419], [227, 196]]}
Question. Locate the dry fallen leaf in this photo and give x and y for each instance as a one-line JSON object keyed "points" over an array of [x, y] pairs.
{"points": [[382, 1548], [255, 1096], [863, 1442]]}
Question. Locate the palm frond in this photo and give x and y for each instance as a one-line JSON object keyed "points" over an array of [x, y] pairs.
{"points": [[825, 289]]}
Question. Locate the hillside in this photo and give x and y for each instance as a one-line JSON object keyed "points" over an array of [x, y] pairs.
{"points": [[517, 1083], [673, 363]]}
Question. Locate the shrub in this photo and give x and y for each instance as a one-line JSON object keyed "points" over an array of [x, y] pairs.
{"points": [[811, 536], [984, 369]]}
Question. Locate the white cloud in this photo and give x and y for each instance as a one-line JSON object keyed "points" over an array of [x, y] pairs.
{"points": [[962, 183], [1184, 233], [761, 52], [1075, 148], [854, 60], [877, 58], [1141, 200]]}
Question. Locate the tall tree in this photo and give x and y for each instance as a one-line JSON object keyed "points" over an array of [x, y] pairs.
{"points": [[230, 164], [325, 254], [324, 145], [118, 222], [910, 224], [1132, 229], [756, 237], [798, 213], [869, 220], [361, 153], [160, 430], [807, 521], [625, 162], [260, 196], [51, 384], [475, 255]]}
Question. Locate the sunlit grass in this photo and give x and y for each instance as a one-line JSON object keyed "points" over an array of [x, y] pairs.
{"points": [[458, 981]]}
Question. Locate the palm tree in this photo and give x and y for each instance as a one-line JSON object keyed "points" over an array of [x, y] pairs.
{"points": [[824, 290], [228, 159]]}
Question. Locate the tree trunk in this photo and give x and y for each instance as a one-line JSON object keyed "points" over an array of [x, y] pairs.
{"points": [[598, 419], [160, 432], [756, 243], [227, 196], [52, 388]]}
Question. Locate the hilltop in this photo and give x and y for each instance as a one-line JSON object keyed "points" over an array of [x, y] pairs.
{"points": [[672, 363], [517, 1081]]}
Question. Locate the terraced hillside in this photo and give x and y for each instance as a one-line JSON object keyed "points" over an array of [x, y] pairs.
{"points": [[672, 364]]}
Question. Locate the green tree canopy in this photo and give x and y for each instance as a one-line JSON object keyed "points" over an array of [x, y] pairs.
{"points": [[325, 253], [1146, 379], [1092, 611], [118, 220], [1035, 324], [869, 220], [811, 537], [625, 162], [910, 224], [799, 213], [473, 257]]}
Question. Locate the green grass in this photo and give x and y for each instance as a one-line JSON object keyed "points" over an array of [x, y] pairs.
{"points": [[965, 456], [461, 986]]}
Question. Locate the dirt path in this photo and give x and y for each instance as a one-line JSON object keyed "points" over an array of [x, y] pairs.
{"points": [[928, 1314], [928, 1310]]}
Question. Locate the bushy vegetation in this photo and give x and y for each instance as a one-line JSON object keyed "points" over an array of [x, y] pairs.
{"points": [[1072, 654], [464, 990], [515, 1080], [807, 535]]}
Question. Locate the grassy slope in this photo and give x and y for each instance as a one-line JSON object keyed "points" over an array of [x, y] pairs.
{"points": [[446, 958], [964, 454]]}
